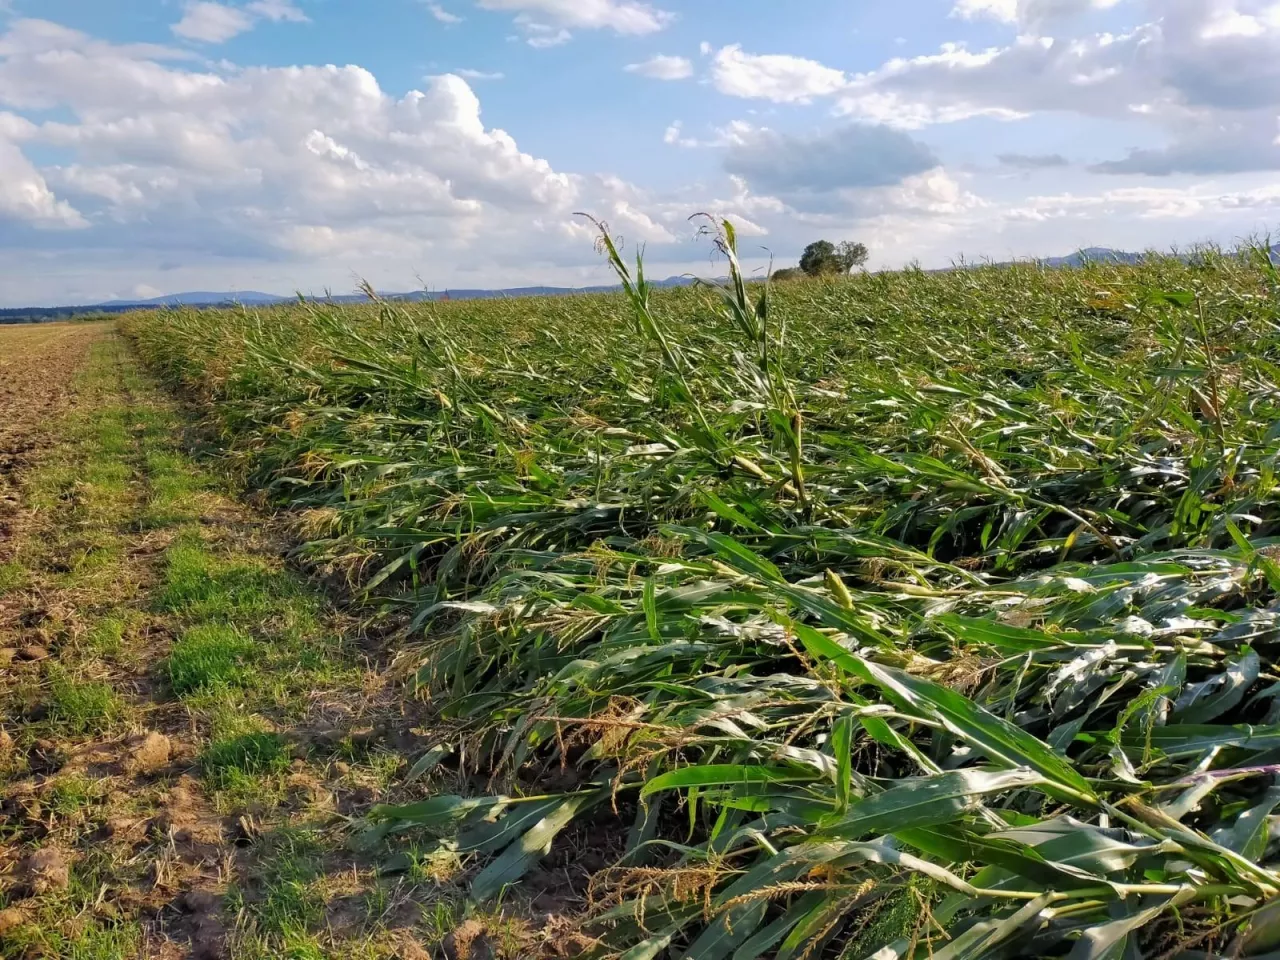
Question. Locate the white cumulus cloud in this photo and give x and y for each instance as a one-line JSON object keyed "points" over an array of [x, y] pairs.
{"points": [[210, 22], [277, 11], [443, 15], [1027, 12], [25, 195], [663, 67], [549, 22], [781, 78]]}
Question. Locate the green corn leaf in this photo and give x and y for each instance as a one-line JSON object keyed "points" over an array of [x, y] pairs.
{"points": [[725, 774], [650, 604], [1249, 835], [1109, 941], [842, 747], [524, 852], [728, 932], [994, 736], [1001, 636], [927, 801]]}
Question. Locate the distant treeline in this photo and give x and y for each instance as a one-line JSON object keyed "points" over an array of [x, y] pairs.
{"points": [[51, 314]]}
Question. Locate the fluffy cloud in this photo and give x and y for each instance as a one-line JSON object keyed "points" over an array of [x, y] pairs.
{"points": [[852, 156], [548, 22], [443, 15], [210, 22], [1027, 12], [235, 176], [1193, 54], [277, 11], [733, 133], [662, 67], [25, 196], [1148, 203], [295, 157], [777, 77], [1003, 10], [1206, 73], [211, 167]]}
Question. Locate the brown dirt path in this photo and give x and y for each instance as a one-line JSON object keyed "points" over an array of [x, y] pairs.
{"points": [[38, 363]]}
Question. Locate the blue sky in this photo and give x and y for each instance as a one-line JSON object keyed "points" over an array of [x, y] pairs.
{"points": [[152, 146]]}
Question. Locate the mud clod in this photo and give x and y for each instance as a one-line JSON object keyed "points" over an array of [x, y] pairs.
{"points": [[47, 870]]}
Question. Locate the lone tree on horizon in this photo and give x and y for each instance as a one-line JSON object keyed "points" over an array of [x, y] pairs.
{"points": [[824, 258]]}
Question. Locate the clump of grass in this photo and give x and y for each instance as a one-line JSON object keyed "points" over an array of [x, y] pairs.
{"points": [[229, 760], [70, 924], [208, 657], [78, 707], [203, 586], [174, 490], [69, 795], [106, 637], [93, 939], [13, 575], [289, 904]]}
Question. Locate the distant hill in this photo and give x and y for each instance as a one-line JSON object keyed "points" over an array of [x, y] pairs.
{"points": [[417, 296], [254, 298], [1093, 255], [196, 299]]}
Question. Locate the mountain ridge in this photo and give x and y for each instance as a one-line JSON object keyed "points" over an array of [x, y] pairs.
{"points": [[256, 298]]}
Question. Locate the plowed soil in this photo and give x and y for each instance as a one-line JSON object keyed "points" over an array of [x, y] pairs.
{"points": [[38, 363]]}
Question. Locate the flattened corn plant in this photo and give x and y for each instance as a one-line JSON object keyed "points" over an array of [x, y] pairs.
{"points": [[908, 615]]}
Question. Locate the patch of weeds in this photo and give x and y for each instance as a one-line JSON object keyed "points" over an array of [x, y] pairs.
{"points": [[106, 637], [440, 918], [77, 707], [110, 434], [13, 763], [295, 946], [892, 917], [303, 947], [434, 867], [385, 765], [377, 901], [288, 903], [96, 553], [63, 925], [108, 476], [510, 935], [226, 762], [209, 656], [53, 488], [174, 489], [198, 584], [94, 940], [13, 576], [69, 795]]}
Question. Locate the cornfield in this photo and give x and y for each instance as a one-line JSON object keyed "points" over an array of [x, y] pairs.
{"points": [[906, 615]]}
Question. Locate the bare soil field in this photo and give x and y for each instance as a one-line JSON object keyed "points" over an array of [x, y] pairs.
{"points": [[37, 366]]}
